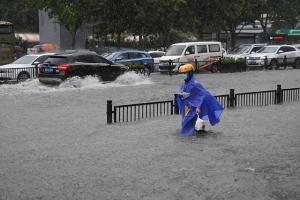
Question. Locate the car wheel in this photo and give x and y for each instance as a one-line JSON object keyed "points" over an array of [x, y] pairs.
{"points": [[147, 70], [274, 64], [23, 76], [214, 68], [297, 63]]}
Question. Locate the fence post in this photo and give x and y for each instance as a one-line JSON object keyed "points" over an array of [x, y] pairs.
{"points": [[284, 62], [231, 98], [196, 65], [278, 96], [266, 62], [109, 111], [176, 109], [170, 67], [36, 71]]}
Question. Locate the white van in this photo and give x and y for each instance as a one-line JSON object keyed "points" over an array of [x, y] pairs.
{"points": [[207, 54]]}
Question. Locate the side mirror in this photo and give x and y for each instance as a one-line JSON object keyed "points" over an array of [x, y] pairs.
{"points": [[187, 53], [280, 51], [36, 63]]}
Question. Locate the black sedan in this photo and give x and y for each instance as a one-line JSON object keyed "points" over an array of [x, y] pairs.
{"points": [[61, 66]]}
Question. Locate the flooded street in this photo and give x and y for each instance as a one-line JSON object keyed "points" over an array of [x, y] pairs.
{"points": [[55, 143]]}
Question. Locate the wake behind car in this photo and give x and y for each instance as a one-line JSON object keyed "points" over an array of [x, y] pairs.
{"points": [[61, 66], [274, 56], [23, 68]]}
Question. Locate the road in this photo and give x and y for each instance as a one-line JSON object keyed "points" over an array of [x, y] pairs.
{"points": [[55, 143]]}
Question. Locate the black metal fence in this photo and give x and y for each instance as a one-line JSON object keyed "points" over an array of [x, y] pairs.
{"points": [[134, 112], [17, 74]]}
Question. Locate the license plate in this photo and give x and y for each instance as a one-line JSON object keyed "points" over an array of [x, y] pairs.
{"points": [[48, 70], [252, 62]]}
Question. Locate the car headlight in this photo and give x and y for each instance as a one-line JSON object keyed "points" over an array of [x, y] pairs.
{"points": [[176, 60]]}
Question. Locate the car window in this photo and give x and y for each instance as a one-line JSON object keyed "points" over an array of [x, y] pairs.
{"points": [[288, 49], [99, 59], [282, 49], [58, 60], [202, 48], [190, 49], [85, 59], [25, 59], [122, 56], [156, 54], [214, 48], [255, 49], [135, 55], [41, 59]]}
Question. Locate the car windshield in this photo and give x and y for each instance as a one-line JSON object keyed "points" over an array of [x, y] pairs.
{"points": [[58, 60], [241, 49], [268, 50], [26, 59], [108, 56], [175, 50]]}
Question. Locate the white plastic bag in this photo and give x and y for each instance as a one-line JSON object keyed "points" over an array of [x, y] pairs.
{"points": [[199, 124]]}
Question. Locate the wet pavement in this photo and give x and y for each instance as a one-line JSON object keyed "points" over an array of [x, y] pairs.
{"points": [[55, 143]]}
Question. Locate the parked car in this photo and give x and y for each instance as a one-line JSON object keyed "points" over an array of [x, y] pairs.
{"points": [[23, 68], [244, 50], [206, 53], [132, 56], [61, 66], [274, 56], [156, 55]]}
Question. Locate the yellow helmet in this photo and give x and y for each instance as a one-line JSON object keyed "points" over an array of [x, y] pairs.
{"points": [[186, 68]]}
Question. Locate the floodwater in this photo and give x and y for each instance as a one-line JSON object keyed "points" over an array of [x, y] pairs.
{"points": [[55, 143]]}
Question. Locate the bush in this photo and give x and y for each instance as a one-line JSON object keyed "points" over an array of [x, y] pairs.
{"points": [[137, 67], [233, 65]]}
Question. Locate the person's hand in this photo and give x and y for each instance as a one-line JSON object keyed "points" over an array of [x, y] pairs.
{"points": [[198, 111]]}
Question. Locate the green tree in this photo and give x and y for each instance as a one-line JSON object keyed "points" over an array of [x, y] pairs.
{"points": [[24, 18]]}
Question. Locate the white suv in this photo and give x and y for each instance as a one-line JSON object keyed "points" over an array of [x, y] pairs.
{"points": [[274, 56]]}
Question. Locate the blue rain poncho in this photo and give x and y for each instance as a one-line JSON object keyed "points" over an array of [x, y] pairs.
{"points": [[193, 95]]}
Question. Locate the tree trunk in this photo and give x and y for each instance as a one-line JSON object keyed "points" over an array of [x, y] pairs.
{"points": [[119, 40], [73, 42], [232, 39]]}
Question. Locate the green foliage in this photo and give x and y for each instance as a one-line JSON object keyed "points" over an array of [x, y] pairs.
{"points": [[24, 18], [233, 65], [164, 21], [135, 66]]}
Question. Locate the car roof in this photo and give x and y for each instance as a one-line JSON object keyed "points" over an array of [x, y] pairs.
{"points": [[195, 43], [279, 45], [156, 52], [75, 53], [130, 51], [42, 54]]}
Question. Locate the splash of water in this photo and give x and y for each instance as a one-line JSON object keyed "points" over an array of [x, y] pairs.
{"points": [[74, 83]]}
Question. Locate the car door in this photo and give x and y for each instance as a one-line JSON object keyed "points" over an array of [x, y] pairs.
{"points": [[107, 70], [189, 55], [83, 66], [290, 53], [202, 53], [122, 58], [285, 52]]}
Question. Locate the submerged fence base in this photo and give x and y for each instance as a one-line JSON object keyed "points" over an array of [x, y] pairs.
{"points": [[134, 112]]}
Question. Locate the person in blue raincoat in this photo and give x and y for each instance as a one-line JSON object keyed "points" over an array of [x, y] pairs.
{"points": [[193, 100]]}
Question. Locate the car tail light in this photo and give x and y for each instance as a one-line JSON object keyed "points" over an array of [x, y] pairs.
{"points": [[63, 67]]}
